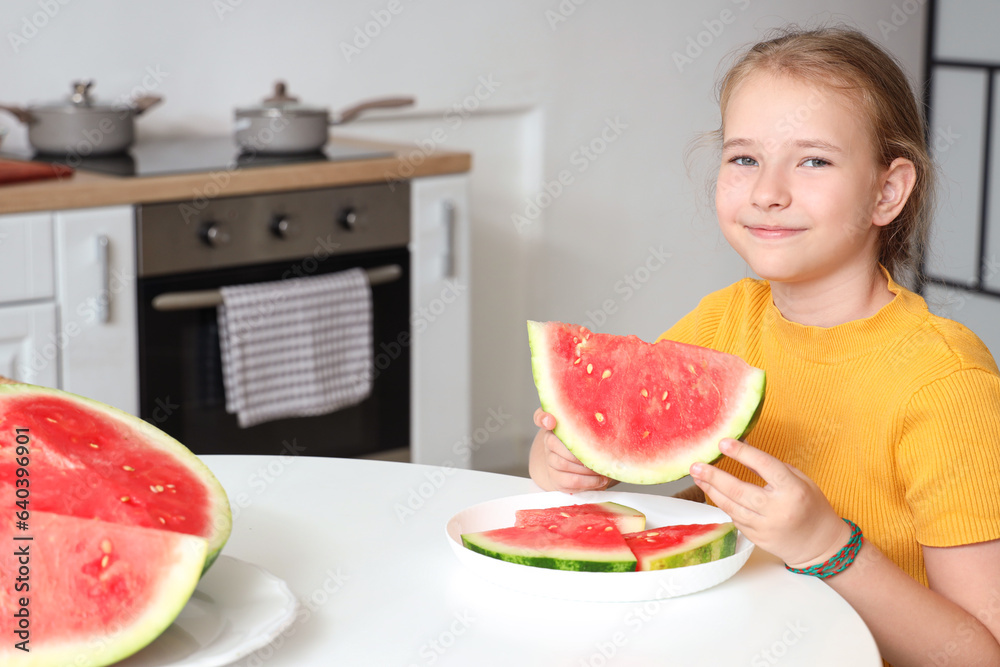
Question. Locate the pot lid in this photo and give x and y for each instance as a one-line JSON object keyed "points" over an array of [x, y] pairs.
{"points": [[280, 104], [81, 100]]}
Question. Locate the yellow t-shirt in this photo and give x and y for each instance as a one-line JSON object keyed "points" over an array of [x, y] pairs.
{"points": [[896, 417]]}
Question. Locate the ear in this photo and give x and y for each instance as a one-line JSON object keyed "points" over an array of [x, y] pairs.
{"points": [[895, 185]]}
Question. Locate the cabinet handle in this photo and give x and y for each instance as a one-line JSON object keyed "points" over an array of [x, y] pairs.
{"points": [[104, 276], [450, 230]]}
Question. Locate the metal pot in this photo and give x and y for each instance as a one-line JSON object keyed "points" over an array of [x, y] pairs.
{"points": [[79, 125], [281, 125]]}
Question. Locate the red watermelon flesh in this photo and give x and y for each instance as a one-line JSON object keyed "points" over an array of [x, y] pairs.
{"points": [[625, 519], [585, 543], [641, 412], [92, 461], [92, 592], [679, 546]]}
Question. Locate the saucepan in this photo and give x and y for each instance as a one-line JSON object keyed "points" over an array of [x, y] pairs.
{"points": [[281, 125], [79, 125]]}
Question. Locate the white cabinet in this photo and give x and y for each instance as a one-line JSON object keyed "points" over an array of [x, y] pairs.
{"points": [[28, 343], [96, 293], [440, 322], [28, 348], [67, 302], [25, 257]]}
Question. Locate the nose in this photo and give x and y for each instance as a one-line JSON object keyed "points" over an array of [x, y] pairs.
{"points": [[769, 190]]}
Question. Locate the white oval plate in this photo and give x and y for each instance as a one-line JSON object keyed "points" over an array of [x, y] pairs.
{"points": [[595, 586], [236, 609]]}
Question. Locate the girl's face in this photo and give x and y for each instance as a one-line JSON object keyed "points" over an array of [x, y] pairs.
{"points": [[797, 186]]}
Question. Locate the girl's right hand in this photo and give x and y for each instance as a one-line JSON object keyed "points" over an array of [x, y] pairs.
{"points": [[554, 468]]}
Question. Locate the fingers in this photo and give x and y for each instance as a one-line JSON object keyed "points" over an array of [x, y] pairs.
{"points": [[740, 500], [770, 469], [544, 420], [565, 470]]}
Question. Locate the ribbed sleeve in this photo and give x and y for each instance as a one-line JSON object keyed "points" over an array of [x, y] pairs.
{"points": [[949, 448]]}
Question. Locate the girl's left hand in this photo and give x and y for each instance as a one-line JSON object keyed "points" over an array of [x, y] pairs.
{"points": [[789, 517]]}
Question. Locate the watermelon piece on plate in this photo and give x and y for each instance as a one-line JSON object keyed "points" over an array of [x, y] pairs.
{"points": [[92, 592], [625, 519], [92, 461], [641, 412], [679, 546], [586, 543]]}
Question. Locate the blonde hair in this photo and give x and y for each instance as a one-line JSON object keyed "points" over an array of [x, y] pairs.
{"points": [[849, 62]]}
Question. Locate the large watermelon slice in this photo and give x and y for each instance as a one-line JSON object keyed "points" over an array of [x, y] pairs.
{"points": [[679, 546], [641, 412], [587, 543], [91, 592], [83, 469], [625, 519]]}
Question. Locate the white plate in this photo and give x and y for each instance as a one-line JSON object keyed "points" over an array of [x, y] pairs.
{"points": [[595, 586], [236, 609]]}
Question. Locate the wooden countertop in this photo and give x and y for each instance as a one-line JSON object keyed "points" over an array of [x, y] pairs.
{"points": [[88, 189]]}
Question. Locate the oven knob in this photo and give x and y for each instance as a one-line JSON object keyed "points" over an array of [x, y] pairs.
{"points": [[213, 234], [349, 218], [282, 227]]}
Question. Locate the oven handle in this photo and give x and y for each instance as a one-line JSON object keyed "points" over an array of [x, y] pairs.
{"points": [[210, 298]]}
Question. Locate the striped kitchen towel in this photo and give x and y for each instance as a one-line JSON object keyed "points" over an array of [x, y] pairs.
{"points": [[296, 347]]}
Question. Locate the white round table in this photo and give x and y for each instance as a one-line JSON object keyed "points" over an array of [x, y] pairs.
{"points": [[362, 545]]}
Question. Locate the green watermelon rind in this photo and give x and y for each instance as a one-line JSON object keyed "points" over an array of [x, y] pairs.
{"points": [[221, 514], [712, 546], [551, 559], [742, 421]]}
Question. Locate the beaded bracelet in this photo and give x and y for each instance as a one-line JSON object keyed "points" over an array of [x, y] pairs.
{"points": [[840, 561]]}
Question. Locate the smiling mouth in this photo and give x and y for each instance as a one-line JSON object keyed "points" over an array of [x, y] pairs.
{"points": [[770, 232]]}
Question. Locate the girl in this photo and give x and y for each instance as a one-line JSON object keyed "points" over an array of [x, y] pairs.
{"points": [[877, 412]]}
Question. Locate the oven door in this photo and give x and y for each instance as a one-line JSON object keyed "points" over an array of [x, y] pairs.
{"points": [[180, 368]]}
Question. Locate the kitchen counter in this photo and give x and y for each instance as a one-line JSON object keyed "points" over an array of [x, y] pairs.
{"points": [[88, 189]]}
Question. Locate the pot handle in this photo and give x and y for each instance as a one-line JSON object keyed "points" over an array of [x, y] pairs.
{"points": [[20, 113], [352, 112], [144, 103]]}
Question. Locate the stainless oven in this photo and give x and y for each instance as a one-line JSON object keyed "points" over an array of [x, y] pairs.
{"points": [[188, 250]]}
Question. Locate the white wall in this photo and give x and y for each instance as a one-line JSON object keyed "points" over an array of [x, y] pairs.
{"points": [[559, 72]]}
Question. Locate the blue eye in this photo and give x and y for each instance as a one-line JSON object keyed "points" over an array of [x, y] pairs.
{"points": [[744, 161], [816, 162]]}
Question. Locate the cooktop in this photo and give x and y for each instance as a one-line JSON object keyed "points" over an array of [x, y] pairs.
{"points": [[158, 157]]}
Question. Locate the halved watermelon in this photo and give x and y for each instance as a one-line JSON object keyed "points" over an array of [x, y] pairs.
{"points": [[641, 412], [625, 519], [120, 519], [91, 592], [94, 461], [587, 543], [679, 546]]}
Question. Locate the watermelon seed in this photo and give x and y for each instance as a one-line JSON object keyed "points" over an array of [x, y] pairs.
{"points": [[590, 368], [128, 468], [106, 546], [94, 446], [51, 420], [645, 394], [667, 407], [610, 528], [163, 521], [691, 368], [104, 561], [125, 499], [564, 514], [651, 534], [578, 360], [156, 489], [664, 397], [645, 434], [599, 417], [605, 375]]}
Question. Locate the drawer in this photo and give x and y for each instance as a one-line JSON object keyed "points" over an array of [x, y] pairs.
{"points": [[26, 258]]}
